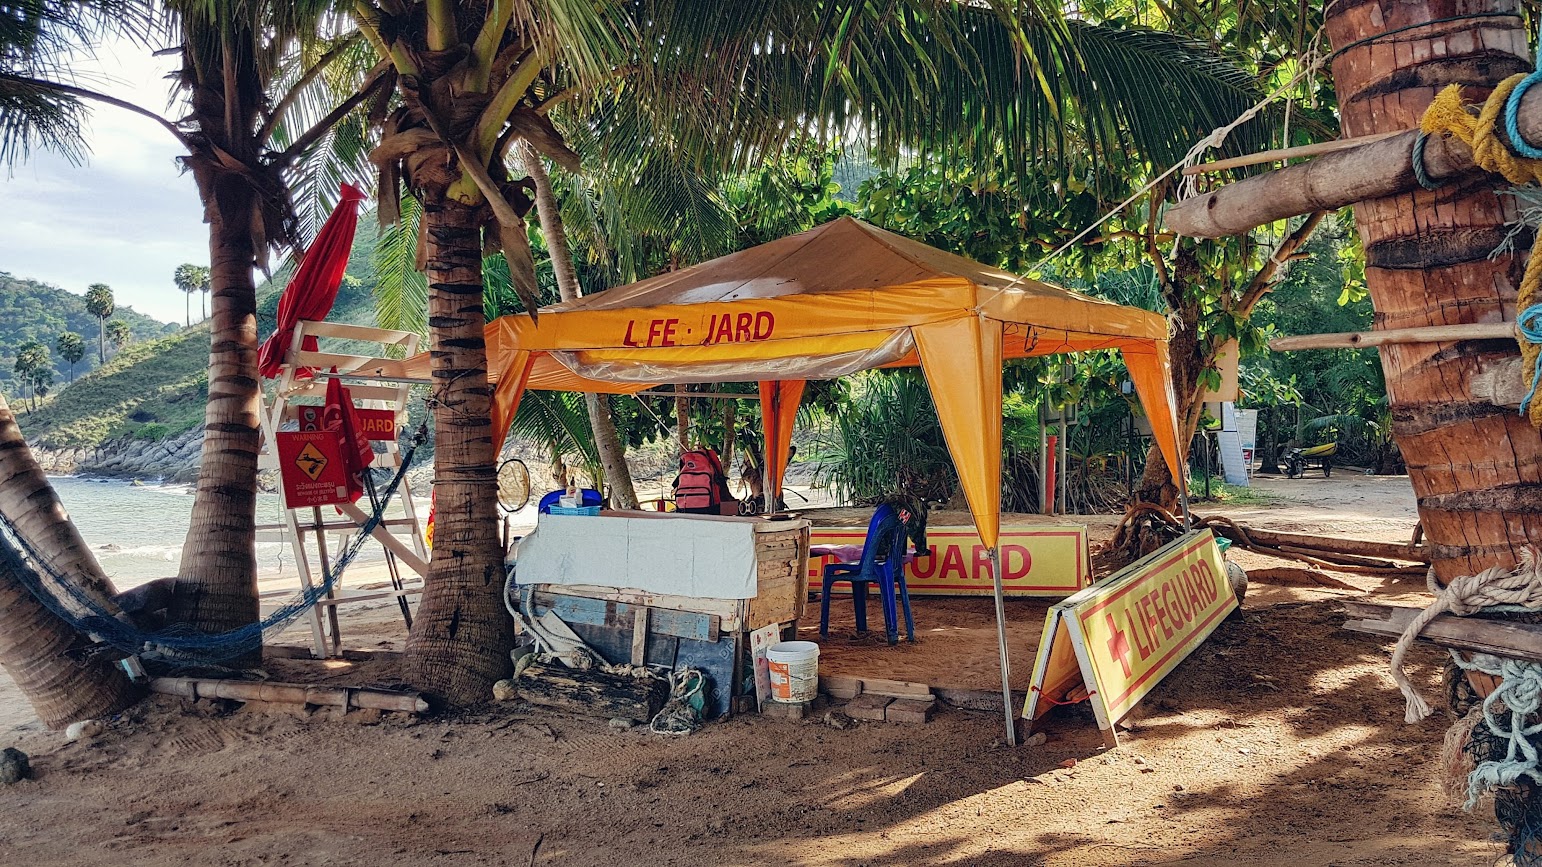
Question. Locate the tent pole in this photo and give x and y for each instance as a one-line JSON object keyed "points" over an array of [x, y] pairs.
{"points": [[1001, 643]]}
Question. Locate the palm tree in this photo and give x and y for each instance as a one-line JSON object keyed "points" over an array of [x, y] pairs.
{"points": [[190, 278], [720, 85], [99, 303], [1436, 259], [118, 333], [34, 39], [72, 348]]}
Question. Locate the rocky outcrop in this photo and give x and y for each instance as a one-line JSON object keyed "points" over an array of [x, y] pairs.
{"points": [[170, 460]]}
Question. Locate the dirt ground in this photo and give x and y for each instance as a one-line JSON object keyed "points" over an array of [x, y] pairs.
{"points": [[1280, 741]]}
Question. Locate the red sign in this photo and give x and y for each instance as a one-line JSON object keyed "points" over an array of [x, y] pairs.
{"points": [[311, 465], [377, 424]]}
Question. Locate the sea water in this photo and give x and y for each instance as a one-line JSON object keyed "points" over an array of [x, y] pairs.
{"points": [[137, 531]]}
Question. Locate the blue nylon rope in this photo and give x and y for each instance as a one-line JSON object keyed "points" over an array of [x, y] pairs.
{"points": [[1518, 143], [1531, 329]]}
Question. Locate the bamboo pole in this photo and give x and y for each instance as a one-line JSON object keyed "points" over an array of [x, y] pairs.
{"points": [[1277, 154], [1327, 183], [1422, 334], [289, 693]]}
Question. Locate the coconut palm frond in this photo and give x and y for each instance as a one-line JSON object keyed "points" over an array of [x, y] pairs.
{"points": [[401, 290]]}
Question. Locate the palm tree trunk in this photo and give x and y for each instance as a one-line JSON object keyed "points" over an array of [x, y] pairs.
{"points": [[29, 503], [187, 310], [34, 647], [203, 303], [101, 339], [607, 440], [217, 581], [461, 635], [1428, 262]]}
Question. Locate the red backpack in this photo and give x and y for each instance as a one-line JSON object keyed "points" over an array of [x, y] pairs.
{"points": [[702, 486]]}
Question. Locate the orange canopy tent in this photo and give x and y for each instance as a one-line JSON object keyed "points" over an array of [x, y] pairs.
{"points": [[837, 299]]}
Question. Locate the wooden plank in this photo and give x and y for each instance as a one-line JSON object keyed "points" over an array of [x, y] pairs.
{"points": [[1357, 547], [603, 612], [640, 635], [727, 611], [1503, 638], [593, 693], [388, 336]]}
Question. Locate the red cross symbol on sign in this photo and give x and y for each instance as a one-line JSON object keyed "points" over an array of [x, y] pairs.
{"points": [[1118, 645]]}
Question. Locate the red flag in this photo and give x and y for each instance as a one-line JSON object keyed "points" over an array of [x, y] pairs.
{"points": [[313, 288], [338, 416]]}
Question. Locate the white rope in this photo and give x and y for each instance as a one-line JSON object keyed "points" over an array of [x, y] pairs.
{"points": [[1518, 695], [1464, 596]]}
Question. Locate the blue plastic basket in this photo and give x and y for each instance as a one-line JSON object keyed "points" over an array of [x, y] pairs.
{"points": [[589, 511]]}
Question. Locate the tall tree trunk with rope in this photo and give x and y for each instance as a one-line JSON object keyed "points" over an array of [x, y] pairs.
{"points": [[1430, 261], [607, 440], [461, 635]]}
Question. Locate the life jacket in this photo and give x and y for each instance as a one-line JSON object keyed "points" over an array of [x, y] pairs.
{"points": [[702, 485]]}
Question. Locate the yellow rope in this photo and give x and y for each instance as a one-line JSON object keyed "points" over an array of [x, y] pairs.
{"points": [[1449, 116]]}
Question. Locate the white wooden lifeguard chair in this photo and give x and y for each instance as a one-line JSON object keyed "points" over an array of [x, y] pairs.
{"points": [[377, 383]]}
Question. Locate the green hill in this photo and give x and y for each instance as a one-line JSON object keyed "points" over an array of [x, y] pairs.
{"points": [[149, 390], [30, 310], [158, 388]]}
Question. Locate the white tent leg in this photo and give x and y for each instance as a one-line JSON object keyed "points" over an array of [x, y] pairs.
{"points": [[1001, 643]]}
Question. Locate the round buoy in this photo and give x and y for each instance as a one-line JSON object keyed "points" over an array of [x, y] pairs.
{"points": [[1237, 577]]}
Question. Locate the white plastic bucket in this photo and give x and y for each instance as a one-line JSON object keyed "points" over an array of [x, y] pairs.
{"points": [[794, 667]]}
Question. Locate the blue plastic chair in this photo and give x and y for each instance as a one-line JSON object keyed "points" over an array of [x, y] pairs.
{"points": [[586, 497], [890, 575]]}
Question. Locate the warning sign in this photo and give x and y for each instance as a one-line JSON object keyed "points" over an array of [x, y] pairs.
{"points": [[312, 468], [1130, 630], [1042, 560], [311, 461]]}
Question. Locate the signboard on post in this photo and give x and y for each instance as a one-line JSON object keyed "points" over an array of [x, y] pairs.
{"points": [[312, 468], [1130, 630], [1042, 560]]}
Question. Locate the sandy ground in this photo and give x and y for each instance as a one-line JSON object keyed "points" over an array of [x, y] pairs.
{"points": [[1280, 741]]}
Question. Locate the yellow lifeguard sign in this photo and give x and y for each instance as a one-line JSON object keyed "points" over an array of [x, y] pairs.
{"points": [[1120, 637]]}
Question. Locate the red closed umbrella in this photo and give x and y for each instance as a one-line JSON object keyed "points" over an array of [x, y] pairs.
{"points": [[338, 415], [313, 288]]}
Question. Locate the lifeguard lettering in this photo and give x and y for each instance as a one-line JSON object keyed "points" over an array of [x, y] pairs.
{"points": [[740, 327], [661, 332], [1016, 561], [1154, 617]]}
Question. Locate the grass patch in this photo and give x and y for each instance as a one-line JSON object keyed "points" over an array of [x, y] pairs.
{"points": [[1221, 492]]}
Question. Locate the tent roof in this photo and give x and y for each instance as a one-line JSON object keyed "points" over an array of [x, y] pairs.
{"points": [[842, 255]]}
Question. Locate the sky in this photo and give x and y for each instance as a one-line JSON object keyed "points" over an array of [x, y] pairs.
{"points": [[129, 216]]}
